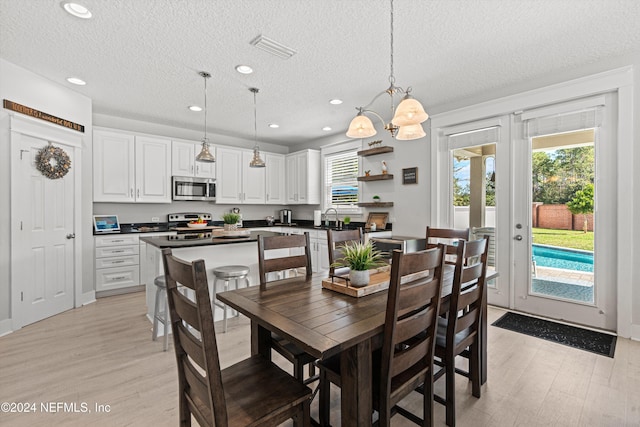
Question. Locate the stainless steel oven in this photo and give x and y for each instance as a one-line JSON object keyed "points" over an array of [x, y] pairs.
{"points": [[190, 188]]}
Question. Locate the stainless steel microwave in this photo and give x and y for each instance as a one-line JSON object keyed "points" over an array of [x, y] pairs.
{"points": [[190, 188]]}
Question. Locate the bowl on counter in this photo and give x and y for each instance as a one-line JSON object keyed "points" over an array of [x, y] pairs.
{"points": [[197, 225]]}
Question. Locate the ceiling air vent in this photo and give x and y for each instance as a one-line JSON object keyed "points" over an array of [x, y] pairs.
{"points": [[272, 47]]}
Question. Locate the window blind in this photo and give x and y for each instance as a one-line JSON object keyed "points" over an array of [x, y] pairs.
{"points": [[341, 180]]}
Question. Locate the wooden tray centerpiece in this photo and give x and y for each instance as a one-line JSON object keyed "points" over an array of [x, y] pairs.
{"points": [[378, 281]]}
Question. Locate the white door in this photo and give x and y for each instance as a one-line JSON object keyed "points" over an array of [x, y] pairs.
{"points": [[253, 181], [113, 167], [182, 158], [228, 175], [570, 276], [275, 171], [43, 262], [292, 183], [153, 170], [303, 178], [478, 196]]}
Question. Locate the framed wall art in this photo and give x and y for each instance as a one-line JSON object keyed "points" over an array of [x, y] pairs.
{"points": [[410, 175]]}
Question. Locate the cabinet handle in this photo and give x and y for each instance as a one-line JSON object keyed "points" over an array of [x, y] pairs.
{"points": [[138, 196], [132, 192], [117, 262], [116, 241], [191, 168], [119, 278]]}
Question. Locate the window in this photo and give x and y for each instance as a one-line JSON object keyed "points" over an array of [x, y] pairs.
{"points": [[341, 180]]}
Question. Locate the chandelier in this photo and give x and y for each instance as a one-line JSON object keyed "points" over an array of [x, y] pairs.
{"points": [[406, 122], [205, 155]]}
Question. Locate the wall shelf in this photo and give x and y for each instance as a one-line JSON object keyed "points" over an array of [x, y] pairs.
{"points": [[375, 204], [375, 177], [374, 151]]}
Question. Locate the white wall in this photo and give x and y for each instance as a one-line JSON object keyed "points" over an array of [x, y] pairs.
{"points": [[27, 88]]}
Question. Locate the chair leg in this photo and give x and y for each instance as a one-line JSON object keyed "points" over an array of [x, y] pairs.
{"points": [[474, 369], [166, 323], [450, 385], [298, 370], [427, 402], [324, 401], [226, 288]]}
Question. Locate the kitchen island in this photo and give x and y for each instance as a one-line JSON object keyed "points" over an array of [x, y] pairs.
{"points": [[215, 251]]}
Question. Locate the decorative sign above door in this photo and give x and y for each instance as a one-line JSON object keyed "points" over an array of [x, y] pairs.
{"points": [[14, 106]]}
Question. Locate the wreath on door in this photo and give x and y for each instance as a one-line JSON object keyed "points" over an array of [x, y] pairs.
{"points": [[53, 162]]}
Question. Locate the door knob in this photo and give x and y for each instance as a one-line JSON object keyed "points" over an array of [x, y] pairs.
{"points": [[71, 236], [518, 237]]}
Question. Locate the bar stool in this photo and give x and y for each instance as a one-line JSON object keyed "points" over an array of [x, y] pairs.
{"points": [[161, 316], [227, 273]]}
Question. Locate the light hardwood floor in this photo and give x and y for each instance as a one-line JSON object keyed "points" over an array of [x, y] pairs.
{"points": [[103, 354]]}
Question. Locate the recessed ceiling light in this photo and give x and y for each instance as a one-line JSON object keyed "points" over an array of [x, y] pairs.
{"points": [[244, 69], [326, 128], [335, 101], [195, 108], [274, 125], [76, 81], [76, 9]]}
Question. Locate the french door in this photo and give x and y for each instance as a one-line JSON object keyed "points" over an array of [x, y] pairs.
{"points": [[564, 263], [488, 166]]}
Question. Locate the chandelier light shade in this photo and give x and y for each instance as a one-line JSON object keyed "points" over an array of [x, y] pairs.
{"points": [[205, 154], [361, 127], [407, 133], [410, 113], [256, 161]]}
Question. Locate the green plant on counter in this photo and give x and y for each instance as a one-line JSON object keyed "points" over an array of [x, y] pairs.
{"points": [[360, 256], [346, 220], [231, 218]]}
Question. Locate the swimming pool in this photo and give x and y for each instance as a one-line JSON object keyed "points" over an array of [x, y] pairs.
{"points": [[569, 259]]}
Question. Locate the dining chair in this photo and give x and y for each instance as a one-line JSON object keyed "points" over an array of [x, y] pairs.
{"points": [[405, 360], [459, 333], [448, 236], [336, 239], [281, 245], [252, 392]]}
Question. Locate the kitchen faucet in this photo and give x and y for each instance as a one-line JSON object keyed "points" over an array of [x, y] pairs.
{"points": [[326, 216]]}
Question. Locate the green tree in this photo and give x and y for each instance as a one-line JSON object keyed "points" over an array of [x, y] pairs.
{"points": [[582, 203], [558, 174]]}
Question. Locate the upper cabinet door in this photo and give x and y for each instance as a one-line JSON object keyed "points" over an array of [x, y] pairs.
{"points": [[302, 178], [253, 181], [228, 175], [153, 170], [113, 167], [182, 158], [292, 179], [275, 175]]}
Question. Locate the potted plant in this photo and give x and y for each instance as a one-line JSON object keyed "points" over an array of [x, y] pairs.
{"points": [[346, 220], [360, 257], [376, 199], [230, 221]]}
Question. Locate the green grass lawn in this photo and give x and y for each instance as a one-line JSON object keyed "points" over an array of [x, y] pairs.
{"points": [[564, 238]]}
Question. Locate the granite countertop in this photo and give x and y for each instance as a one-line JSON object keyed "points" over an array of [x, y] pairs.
{"points": [[205, 239]]}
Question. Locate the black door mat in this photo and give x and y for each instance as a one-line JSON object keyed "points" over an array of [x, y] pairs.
{"points": [[584, 339]]}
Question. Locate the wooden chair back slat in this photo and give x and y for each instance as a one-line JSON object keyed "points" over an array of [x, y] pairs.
{"points": [[269, 265], [191, 345], [203, 385], [467, 320], [448, 236], [414, 327]]}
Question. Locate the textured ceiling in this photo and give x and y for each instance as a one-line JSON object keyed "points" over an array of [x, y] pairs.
{"points": [[140, 58]]}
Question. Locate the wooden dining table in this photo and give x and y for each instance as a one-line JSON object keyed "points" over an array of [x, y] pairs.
{"points": [[325, 323]]}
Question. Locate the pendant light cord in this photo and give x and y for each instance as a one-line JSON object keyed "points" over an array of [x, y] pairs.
{"points": [[255, 119], [392, 79]]}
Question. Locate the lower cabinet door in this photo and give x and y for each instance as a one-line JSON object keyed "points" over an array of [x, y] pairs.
{"points": [[117, 277]]}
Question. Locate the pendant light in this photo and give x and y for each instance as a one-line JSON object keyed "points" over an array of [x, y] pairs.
{"points": [[205, 155], [256, 162], [405, 124]]}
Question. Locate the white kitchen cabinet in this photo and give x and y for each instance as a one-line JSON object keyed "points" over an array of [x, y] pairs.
{"points": [[303, 177], [131, 168], [319, 247], [236, 182], [275, 178], [117, 263], [183, 160]]}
